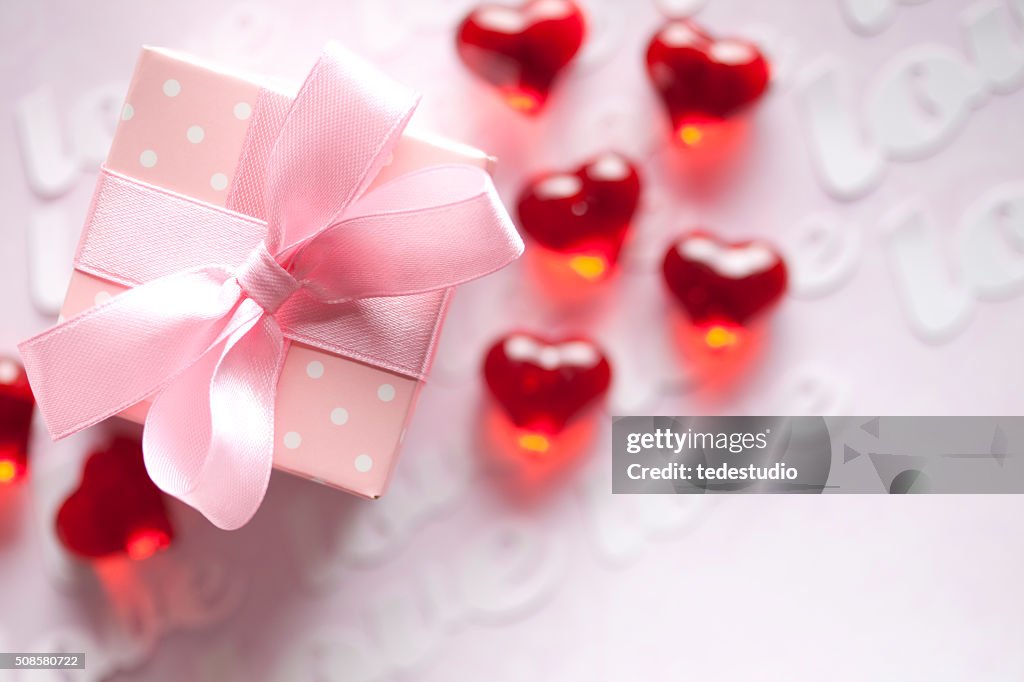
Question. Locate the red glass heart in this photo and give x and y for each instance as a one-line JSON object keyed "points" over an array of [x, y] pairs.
{"points": [[541, 384], [723, 285], [16, 407], [584, 213], [521, 50], [116, 508], [703, 80]]}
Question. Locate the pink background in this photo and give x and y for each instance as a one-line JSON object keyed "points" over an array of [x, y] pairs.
{"points": [[478, 567]]}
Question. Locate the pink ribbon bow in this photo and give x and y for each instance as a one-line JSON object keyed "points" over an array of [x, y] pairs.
{"points": [[207, 343]]}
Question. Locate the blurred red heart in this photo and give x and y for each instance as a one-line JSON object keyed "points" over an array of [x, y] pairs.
{"points": [[721, 283], [16, 407], [584, 212], [520, 50], [116, 508], [703, 80], [541, 385]]}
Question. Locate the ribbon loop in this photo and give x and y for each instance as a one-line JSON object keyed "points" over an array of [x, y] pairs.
{"points": [[345, 120], [110, 357], [408, 237], [264, 280]]}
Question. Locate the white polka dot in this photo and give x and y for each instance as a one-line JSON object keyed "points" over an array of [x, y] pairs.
{"points": [[101, 297], [195, 134], [9, 372], [315, 369], [172, 88], [148, 158], [339, 415], [218, 181], [127, 112], [292, 440], [386, 392], [364, 463], [243, 111]]}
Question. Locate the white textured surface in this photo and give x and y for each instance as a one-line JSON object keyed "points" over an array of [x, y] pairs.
{"points": [[904, 234]]}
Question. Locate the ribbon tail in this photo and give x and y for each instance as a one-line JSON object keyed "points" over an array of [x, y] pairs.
{"points": [[216, 454], [117, 354]]}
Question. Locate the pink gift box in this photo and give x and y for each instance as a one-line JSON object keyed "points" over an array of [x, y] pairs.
{"points": [[183, 128]]}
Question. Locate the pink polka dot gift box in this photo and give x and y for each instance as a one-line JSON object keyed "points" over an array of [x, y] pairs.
{"points": [[262, 278]]}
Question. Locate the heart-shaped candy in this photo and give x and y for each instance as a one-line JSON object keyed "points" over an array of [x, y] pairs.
{"points": [[116, 508], [542, 385], [722, 285], [703, 80], [521, 50], [584, 213], [16, 407]]}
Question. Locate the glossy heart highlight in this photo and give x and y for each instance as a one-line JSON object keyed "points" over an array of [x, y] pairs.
{"points": [[521, 50], [703, 80], [584, 213], [541, 385], [722, 286]]}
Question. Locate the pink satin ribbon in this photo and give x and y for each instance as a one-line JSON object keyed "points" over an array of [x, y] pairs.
{"points": [[207, 343]]}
